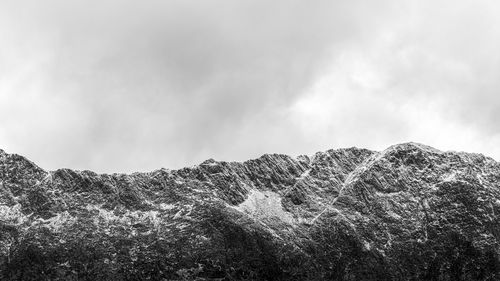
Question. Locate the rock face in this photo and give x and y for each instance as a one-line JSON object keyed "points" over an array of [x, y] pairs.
{"points": [[410, 212]]}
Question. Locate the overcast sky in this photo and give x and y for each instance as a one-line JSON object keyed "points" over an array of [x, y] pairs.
{"points": [[122, 86]]}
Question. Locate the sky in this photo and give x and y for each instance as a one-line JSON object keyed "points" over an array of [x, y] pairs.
{"points": [[124, 86]]}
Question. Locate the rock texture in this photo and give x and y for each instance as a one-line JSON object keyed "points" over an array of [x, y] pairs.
{"points": [[410, 212]]}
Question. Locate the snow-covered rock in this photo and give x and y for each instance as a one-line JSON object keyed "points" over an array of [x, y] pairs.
{"points": [[410, 212]]}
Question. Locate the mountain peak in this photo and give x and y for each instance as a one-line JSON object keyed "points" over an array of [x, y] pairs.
{"points": [[413, 146]]}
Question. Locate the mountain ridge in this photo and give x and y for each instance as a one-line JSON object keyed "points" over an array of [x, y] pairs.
{"points": [[409, 212], [298, 158]]}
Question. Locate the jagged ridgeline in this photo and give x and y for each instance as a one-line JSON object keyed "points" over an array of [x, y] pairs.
{"points": [[410, 212]]}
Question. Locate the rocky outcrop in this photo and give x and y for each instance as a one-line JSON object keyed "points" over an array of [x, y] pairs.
{"points": [[410, 212]]}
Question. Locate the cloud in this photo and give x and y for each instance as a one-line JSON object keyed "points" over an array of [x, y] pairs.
{"points": [[121, 86], [429, 78]]}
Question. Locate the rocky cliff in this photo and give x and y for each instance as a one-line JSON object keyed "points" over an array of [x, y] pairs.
{"points": [[410, 212]]}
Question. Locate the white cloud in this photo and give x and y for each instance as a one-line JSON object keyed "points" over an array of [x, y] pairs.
{"points": [[117, 86]]}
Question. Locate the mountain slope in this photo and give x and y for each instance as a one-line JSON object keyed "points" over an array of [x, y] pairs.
{"points": [[410, 212]]}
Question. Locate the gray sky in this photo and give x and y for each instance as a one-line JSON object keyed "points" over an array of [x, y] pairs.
{"points": [[116, 85]]}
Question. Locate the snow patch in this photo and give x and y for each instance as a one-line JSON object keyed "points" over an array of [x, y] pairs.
{"points": [[55, 223], [304, 174], [449, 177], [12, 214], [164, 206], [480, 178], [129, 217], [264, 204]]}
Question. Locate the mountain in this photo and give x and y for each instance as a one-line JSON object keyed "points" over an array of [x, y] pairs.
{"points": [[410, 212]]}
